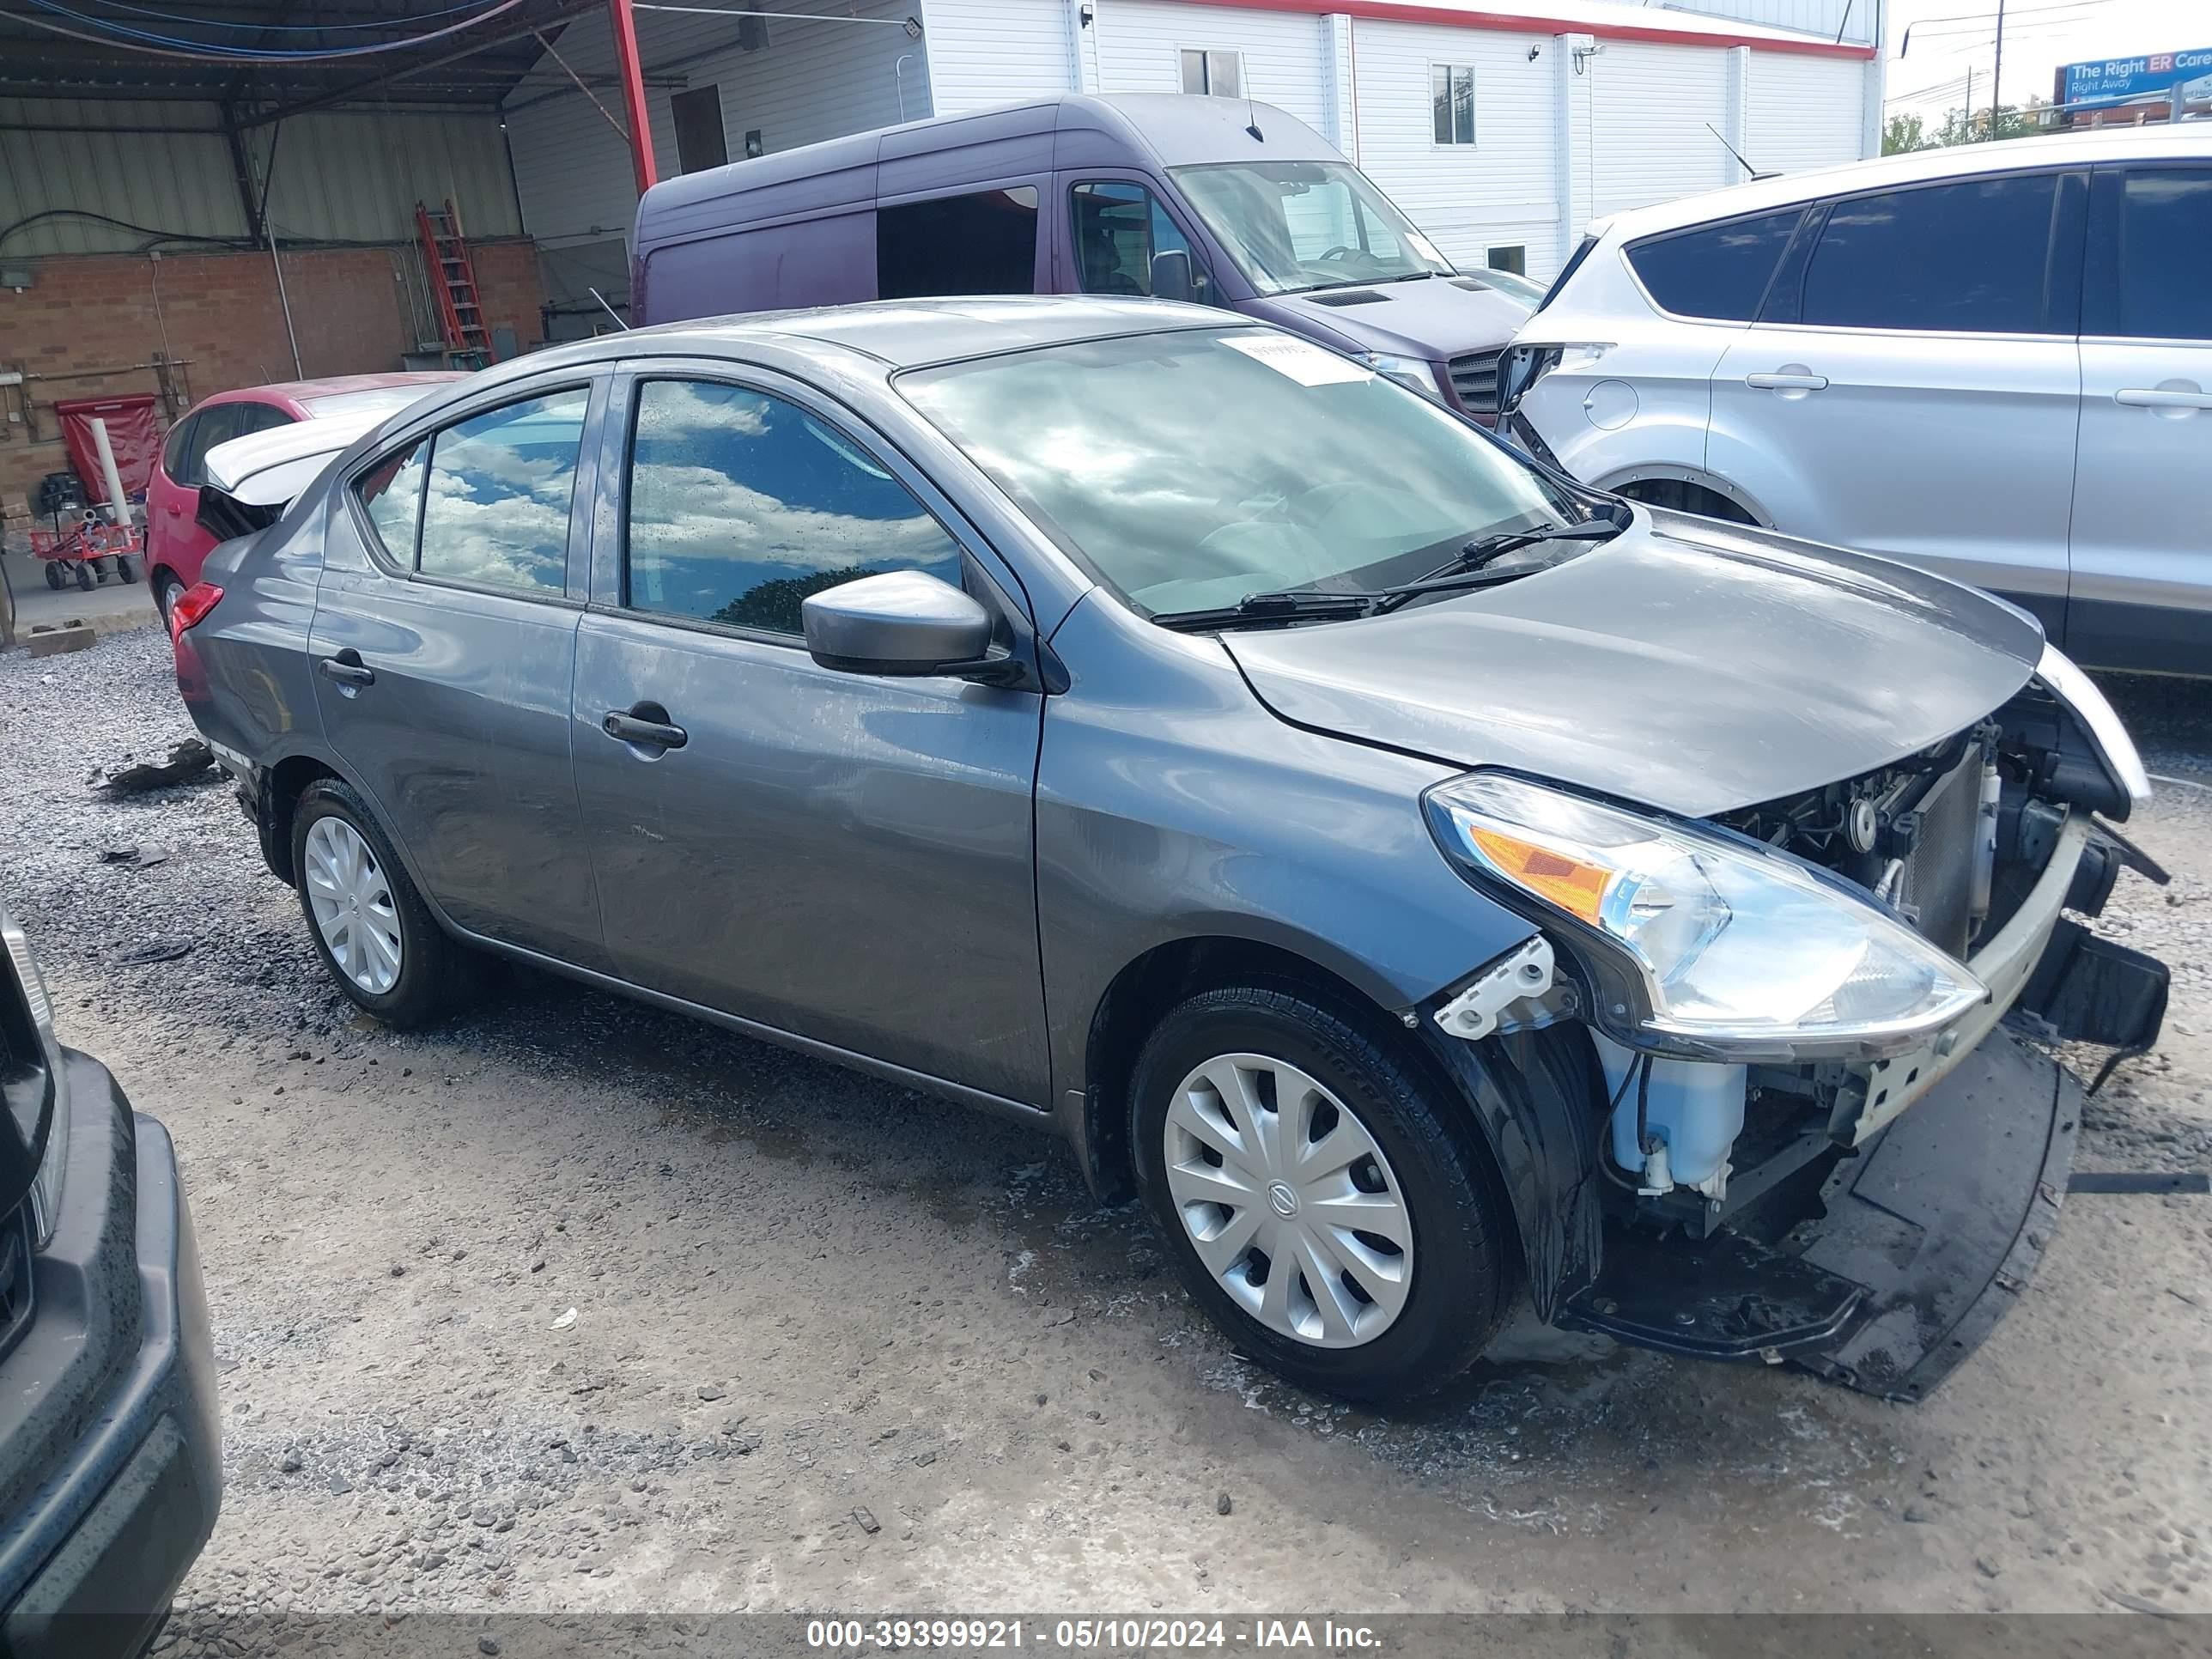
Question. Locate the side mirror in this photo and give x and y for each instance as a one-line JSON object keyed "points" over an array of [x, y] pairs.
{"points": [[1172, 278], [902, 624]]}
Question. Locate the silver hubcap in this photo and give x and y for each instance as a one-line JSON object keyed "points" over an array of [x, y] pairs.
{"points": [[353, 905], [1289, 1201]]}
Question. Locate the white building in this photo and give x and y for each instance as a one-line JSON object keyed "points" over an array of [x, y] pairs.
{"points": [[1501, 126]]}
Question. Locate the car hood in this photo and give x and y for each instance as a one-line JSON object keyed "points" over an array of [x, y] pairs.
{"points": [[1685, 664], [1436, 319]]}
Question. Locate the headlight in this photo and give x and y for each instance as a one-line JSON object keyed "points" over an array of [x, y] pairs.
{"points": [[1411, 373], [46, 1184], [1702, 944], [2078, 693]]}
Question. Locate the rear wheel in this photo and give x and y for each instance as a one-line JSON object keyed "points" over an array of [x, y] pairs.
{"points": [[56, 578], [85, 577], [1681, 495], [169, 588], [125, 568], [1326, 1208], [375, 935]]}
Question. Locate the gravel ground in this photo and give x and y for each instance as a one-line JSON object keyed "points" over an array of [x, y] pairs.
{"points": [[575, 1308]]}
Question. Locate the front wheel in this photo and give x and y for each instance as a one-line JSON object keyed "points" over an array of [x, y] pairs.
{"points": [[1325, 1202], [87, 578], [370, 926]]}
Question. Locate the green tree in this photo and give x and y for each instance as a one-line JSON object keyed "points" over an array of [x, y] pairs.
{"points": [[1904, 133]]}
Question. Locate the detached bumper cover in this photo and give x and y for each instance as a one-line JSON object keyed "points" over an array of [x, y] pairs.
{"points": [[1930, 1236], [110, 1448]]}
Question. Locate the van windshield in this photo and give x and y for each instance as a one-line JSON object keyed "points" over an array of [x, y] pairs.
{"points": [[1291, 226], [1191, 468]]}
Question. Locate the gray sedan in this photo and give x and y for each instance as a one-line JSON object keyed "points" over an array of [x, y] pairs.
{"points": [[1427, 883]]}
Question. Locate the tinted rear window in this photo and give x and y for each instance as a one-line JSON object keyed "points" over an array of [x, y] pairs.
{"points": [[1719, 270], [1967, 256], [2150, 255], [981, 243]]}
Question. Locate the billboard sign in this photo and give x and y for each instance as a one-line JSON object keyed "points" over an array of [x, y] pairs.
{"points": [[2152, 74]]}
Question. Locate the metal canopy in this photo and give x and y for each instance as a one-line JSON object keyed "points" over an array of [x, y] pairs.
{"points": [[187, 50]]}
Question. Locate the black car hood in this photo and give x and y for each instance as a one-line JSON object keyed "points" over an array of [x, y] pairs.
{"points": [[1689, 665]]}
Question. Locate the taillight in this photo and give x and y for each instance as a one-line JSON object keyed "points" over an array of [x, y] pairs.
{"points": [[193, 607]]}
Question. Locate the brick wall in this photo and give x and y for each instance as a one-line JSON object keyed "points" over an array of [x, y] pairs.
{"points": [[220, 311]]}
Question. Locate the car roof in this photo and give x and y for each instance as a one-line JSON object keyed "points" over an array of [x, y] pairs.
{"points": [[2180, 141], [301, 391], [896, 334]]}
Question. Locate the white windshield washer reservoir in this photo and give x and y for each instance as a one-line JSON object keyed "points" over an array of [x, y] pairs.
{"points": [[1693, 1113]]}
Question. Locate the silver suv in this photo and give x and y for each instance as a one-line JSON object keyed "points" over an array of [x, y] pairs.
{"points": [[1995, 362]]}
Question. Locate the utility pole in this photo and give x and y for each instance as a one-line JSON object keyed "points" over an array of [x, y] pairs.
{"points": [[1997, 75]]}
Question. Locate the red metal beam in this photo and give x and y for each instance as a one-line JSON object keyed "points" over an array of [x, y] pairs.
{"points": [[625, 25]]}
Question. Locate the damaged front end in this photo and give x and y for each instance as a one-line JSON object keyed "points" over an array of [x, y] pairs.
{"points": [[1802, 1034]]}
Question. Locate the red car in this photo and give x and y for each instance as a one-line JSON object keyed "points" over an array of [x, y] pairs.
{"points": [[176, 542]]}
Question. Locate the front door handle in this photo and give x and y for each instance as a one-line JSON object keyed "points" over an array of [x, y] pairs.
{"points": [[347, 669], [2162, 398], [1788, 382], [645, 724]]}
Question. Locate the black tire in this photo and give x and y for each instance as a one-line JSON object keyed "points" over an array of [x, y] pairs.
{"points": [[85, 577], [56, 578], [125, 568], [169, 588], [1465, 1262], [435, 978]]}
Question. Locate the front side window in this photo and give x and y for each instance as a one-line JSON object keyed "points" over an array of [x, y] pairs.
{"points": [[1191, 468], [740, 505], [1451, 98], [1290, 226], [1120, 231], [1216, 74], [984, 242], [1967, 258], [496, 505], [1719, 271], [2150, 255]]}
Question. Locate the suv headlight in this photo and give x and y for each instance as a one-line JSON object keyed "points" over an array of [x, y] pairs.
{"points": [[1702, 944], [46, 1184], [1411, 373]]}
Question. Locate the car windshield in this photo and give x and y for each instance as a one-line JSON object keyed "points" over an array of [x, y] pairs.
{"points": [[375, 402], [1190, 469], [1296, 225]]}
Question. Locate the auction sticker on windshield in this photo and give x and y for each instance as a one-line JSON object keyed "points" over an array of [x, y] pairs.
{"points": [[1302, 360]]}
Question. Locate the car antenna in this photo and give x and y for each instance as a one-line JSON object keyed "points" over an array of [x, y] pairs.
{"points": [[1755, 173], [609, 309], [1252, 121]]}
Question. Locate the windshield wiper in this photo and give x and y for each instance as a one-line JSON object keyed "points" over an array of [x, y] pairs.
{"points": [[1470, 566], [1289, 606]]}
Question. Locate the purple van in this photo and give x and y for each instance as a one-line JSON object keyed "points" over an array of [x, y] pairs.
{"points": [[1210, 200]]}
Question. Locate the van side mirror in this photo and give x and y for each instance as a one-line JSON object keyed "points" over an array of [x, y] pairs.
{"points": [[1172, 278], [904, 623]]}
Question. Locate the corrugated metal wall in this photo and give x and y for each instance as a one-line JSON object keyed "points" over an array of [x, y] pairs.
{"points": [[811, 81], [1140, 44], [1649, 108], [1801, 112], [339, 177], [1856, 18], [1499, 190], [983, 52]]}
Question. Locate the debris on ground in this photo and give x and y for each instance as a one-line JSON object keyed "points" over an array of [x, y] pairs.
{"points": [[186, 762]]}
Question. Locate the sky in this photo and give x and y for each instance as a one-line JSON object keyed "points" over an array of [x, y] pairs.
{"points": [[1949, 37]]}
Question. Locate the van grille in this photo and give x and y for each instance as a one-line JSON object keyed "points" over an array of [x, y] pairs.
{"points": [[1474, 381]]}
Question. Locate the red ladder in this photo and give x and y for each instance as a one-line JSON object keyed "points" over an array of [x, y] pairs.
{"points": [[453, 280]]}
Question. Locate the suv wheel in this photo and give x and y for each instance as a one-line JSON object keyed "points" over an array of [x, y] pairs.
{"points": [[1334, 1217], [375, 935]]}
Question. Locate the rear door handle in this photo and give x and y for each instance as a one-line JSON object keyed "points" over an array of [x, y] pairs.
{"points": [[628, 725], [2157, 397], [347, 669], [1788, 382]]}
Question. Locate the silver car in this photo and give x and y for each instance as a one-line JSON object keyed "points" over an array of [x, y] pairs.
{"points": [[1427, 883], [1994, 361]]}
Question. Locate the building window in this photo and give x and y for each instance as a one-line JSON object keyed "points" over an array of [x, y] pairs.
{"points": [[1215, 74], [1451, 100], [1513, 259], [700, 141]]}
